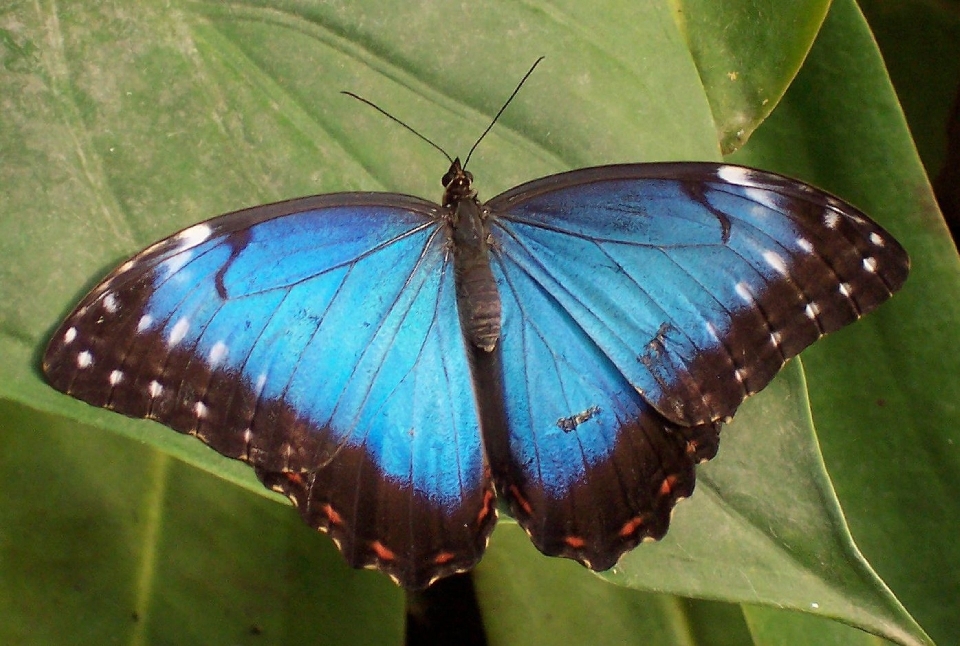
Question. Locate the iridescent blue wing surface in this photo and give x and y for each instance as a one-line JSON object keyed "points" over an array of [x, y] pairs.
{"points": [[589, 468], [318, 340], [641, 305]]}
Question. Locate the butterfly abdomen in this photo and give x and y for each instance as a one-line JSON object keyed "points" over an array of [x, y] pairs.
{"points": [[477, 298], [479, 305]]}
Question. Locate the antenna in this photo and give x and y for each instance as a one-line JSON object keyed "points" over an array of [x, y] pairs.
{"points": [[396, 120], [506, 103], [477, 143]]}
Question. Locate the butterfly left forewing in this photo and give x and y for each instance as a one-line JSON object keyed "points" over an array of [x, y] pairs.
{"points": [[318, 340]]}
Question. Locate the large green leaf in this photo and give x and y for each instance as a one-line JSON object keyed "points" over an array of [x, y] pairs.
{"points": [[122, 122], [105, 542], [763, 528], [884, 398]]}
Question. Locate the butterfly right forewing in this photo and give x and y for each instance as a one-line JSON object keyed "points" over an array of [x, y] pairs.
{"points": [[697, 280]]}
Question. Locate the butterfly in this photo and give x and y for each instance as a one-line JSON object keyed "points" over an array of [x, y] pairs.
{"points": [[394, 366]]}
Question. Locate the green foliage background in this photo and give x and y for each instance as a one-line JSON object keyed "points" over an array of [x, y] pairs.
{"points": [[121, 122]]}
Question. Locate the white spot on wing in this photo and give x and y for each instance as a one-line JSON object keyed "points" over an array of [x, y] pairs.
{"points": [[69, 335], [876, 239], [714, 332], [155, 389], [845, 289], [736, 175], [110, 303], [178, 332], [764, 198], [261, 382], [743, 291], [805, 245], [870, 264], [218, 352], [115, 377], [127, 266], [200, 410], [812, 310], [193, 236], [176, 263], [831, 219], [145, 321], [84, 359], [776, 338], [740, 375], [777, 262]]}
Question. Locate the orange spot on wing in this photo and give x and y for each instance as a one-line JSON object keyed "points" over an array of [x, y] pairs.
{"points": [[332, 515], [382, 551], [294, 478], [524, 504], [575, 542], [631, 526], [443, 557], [488, 498], [666, 487]]}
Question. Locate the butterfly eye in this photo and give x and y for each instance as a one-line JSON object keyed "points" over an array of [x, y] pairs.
{"points": [[456, 178]]}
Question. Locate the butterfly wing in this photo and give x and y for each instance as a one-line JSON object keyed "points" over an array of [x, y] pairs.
{"points": [[642, 304], [697, 280], [317, 339], [588, 467]]}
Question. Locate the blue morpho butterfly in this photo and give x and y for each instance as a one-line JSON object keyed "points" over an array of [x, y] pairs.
{"points": [[389, 363]]}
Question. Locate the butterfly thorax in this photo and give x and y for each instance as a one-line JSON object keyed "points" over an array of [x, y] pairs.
{"points": [[477, 298]]}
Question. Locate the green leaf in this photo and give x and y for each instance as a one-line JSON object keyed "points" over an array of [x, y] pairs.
{"points": [[763, 527], [884, 395], [123, 122], [103, 541], [527, 599], [747, 53]]}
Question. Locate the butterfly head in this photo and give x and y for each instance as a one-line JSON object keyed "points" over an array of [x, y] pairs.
{"points": [[457, 184]]}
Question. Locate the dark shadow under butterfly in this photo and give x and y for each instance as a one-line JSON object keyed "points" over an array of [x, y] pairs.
{"points": [[393, 365]]}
